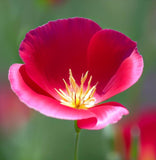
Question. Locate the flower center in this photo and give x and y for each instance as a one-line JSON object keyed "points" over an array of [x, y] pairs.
{"points": [[77, 96]]}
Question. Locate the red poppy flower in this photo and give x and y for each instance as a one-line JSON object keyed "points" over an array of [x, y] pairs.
{"points": [[99, 64], [145, 124]]}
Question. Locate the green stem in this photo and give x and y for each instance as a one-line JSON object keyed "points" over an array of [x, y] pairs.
{"points": [[76, 140]]}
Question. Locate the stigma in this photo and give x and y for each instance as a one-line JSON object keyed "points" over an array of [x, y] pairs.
{"points": [[77, 96]]}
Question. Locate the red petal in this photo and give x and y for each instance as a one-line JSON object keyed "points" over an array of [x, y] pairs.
{"points": [[127, 74], [35, 97], [105, 114], [51, 50], [107, 50]]}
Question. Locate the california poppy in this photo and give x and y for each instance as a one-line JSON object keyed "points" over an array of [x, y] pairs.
{"points": [[71, 66]]}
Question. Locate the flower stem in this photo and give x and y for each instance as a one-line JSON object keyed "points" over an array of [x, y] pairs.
{"points": [[76, 140]]}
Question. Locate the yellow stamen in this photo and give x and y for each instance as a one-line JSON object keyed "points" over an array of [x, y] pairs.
{"points": [[76, 96]]}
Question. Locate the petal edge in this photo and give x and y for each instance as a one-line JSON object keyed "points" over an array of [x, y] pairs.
{"points": [[105, 114]]}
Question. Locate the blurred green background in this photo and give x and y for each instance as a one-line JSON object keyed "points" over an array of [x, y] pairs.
{"points": [[44, 138]]}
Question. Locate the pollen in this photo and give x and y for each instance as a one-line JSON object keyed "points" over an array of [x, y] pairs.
{"points": [[78, 96]]}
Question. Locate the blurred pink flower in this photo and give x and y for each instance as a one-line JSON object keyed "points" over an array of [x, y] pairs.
{"points": [[13, 113], [55, 1], [51, 2], [145, 125], [75, 49]]}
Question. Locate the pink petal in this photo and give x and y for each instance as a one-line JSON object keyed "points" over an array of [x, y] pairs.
{"points": [[128, 73], [106, 52], [35, 97], [38, 99], [105, 114], [51, 50]]}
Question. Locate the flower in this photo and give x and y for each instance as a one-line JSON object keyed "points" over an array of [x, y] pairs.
{"points": [[75, 49], [13, 113], [143, 128], [147, 126], [51, 2]]}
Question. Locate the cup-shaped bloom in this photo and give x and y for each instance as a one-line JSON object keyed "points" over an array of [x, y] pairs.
{"points": [[71, 66]]}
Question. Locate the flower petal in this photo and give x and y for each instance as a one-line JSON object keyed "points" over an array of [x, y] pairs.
{"points": [[105, 114], [106, 52], [51, 50], [128, 73], [35, 97]]}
